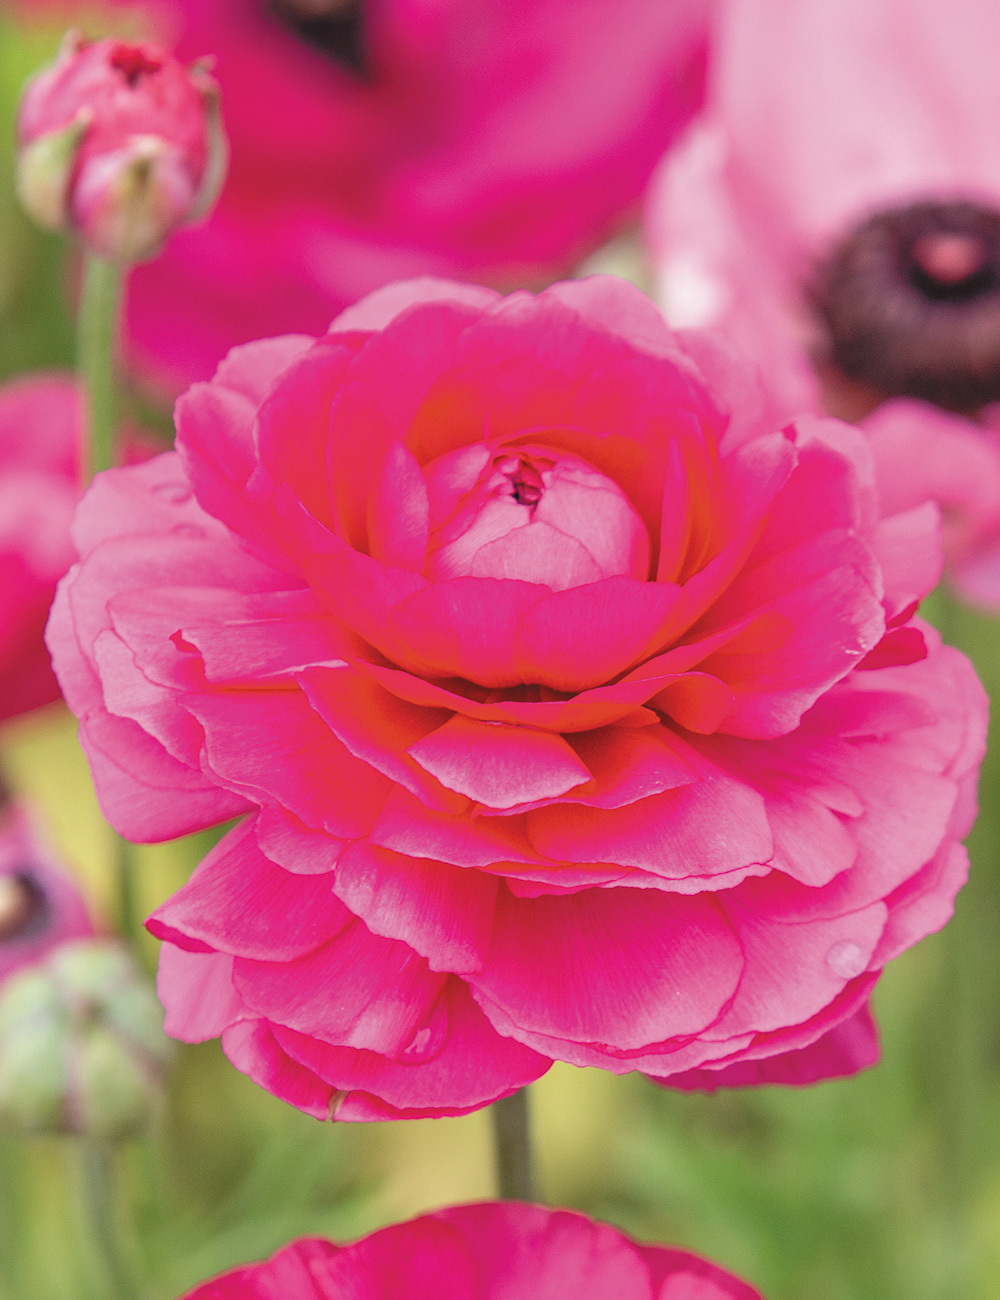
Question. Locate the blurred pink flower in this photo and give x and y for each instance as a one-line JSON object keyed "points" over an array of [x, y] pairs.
{"points": [[578, 714], [119, 143], [40, 418], [836, 211], [492, 1251], [39, 484], [40, 905], [378, 139]]}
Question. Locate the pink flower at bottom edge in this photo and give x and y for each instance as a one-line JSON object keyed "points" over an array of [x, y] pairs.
{"points": [[575, 713], [491, 1251]]}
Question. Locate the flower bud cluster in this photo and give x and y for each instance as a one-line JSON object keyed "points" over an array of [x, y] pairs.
{"points": [[82, 1047]]}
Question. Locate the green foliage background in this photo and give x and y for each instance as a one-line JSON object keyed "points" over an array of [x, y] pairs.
{"points": [[885, 1187]]}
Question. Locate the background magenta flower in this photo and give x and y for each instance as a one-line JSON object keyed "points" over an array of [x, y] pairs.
{"points": [[120, 143], [541, 802], [378, 139], [39, 484], [493, 1251], [40, 419], [40, 905], [836, 211]]}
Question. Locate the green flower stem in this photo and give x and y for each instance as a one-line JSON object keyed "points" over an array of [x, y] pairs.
{"points": [[512, 1144], [97, 332], [97, 342], [128, 917], [97, 1164]]}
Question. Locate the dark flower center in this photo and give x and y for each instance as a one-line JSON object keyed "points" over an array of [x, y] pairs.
{"points": [[24, 908], [910, 302], [134, 63], [526, 483], [334, 27]]}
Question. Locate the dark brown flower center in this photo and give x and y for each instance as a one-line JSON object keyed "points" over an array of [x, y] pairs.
{"points": [[24, 908], [134, 63], [334, 27], [526, 483], [910, 302]]}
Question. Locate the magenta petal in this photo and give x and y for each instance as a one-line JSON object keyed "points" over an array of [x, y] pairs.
{"points": [[294, 1271], [716, 825], [425, 1260], [846, 1049], [293, 845], [465, 627], [923, 904], [443, 912], [908, 547], [129, 694], [551, 1254], [292, 429], [575, 639], [379, 729], [455, 1063], [196, 990], [377, 309], [406, 826], [252, 368], [251, 1046], [214, 440], [628, 764], [272, 746], [239, 902], [794, 970], [399, 512], [604, 966], [252, 639], [358, 990], [168, 798], [499, 766]]}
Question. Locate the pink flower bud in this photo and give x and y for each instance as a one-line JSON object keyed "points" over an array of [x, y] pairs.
{"points": [[120, 143], [532, 513]]}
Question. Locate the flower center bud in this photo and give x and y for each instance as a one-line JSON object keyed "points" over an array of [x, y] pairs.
{"points": [[532, 513], [23, 908], [134, 63], [911, 303], [334, 27]]}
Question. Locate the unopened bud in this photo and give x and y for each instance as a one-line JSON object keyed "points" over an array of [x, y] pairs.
{"points": [[121, 144], [82, 1047]]}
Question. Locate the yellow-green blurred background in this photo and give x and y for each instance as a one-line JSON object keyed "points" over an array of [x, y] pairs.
{"points": [[886, 1187]]}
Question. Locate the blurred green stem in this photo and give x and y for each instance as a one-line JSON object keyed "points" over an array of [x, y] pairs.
{"points": [[125, 886], [97, 332], [97, 341], [97, 1162], [512, 1145]]}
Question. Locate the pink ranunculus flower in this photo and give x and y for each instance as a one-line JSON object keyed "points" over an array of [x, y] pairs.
{"points": [[40, 905], [121, 144], [39, 485], [374, 140], [491, 1251], [575, 712], [836, 212]]}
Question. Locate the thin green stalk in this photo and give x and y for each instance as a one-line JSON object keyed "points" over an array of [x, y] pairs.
{"points": [[96, 1159], [125, 883], [512, 1145], [97, 343], [97, 332]]}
